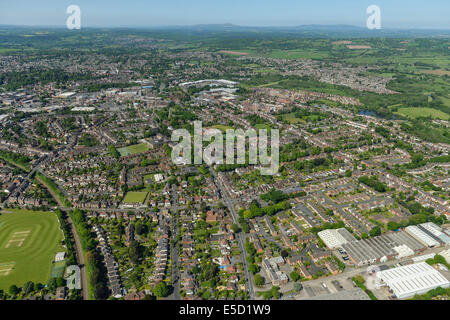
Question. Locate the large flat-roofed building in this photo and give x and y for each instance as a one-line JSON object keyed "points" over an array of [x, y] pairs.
{"points": [[382, 248], [412, 279], [335, 238], [435, 231], [422, 236]]}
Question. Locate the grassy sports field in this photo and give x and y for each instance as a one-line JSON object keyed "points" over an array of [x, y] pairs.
{"points": [[135, 197], [29, 241], [422, 112], [137, 148]]}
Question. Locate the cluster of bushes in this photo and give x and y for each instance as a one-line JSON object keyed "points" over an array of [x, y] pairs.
{"points": [[95, 270], [311, 164], [374, 183], [70, 258], [438, 259], [87, 240], [96, 275], [276, 196], [256, 210], [273, 293], [251, 251], [113, 151], [17, 159], [439, 291]]}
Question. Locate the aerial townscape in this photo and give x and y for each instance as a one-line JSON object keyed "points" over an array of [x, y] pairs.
{"points": [[93, 207]]}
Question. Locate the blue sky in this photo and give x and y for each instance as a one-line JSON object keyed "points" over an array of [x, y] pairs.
{"points": [[110, 13]]}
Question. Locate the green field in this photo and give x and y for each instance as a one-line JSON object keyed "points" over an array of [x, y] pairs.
{"points": [[290, 117], [298, 54], [414, 113], [29, 241], [221, 127], [137, 148], [135, 197]]}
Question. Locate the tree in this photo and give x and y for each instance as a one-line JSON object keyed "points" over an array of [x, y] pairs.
{"points": [[51, 285], [392, 225], [294, 276], [298, 286], [259, 280], [60, 282], [253, 268], [140, 229], [28, 287], [135, 252], [376, 231], [14, 290], [235, 228], [284, 254], [161, 290], [245, 227]]}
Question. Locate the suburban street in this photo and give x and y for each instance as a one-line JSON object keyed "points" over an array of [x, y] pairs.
{"points": [[241, 239]]}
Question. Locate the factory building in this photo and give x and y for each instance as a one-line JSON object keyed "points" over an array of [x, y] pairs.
{"points": [[335, 238], [382, 248], [423, 236], [435, 231], [412, 279]]}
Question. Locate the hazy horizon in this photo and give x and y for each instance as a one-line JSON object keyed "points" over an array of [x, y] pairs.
{"points": [[413, 14]]}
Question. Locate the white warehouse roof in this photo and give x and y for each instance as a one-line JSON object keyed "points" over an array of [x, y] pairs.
{"points": [[446, 255], [421, 236], [403, 251], [436, 231], [413, 279], [335, 238]]}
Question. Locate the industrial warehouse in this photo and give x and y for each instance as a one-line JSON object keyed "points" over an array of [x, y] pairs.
{"points": [[394, 245], [407, 281]]}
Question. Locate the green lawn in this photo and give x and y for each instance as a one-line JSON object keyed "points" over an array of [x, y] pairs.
{"points": [[290, 117], [29, 241], [221, 127], [137, 148], [422, 112], [135, 197]]}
